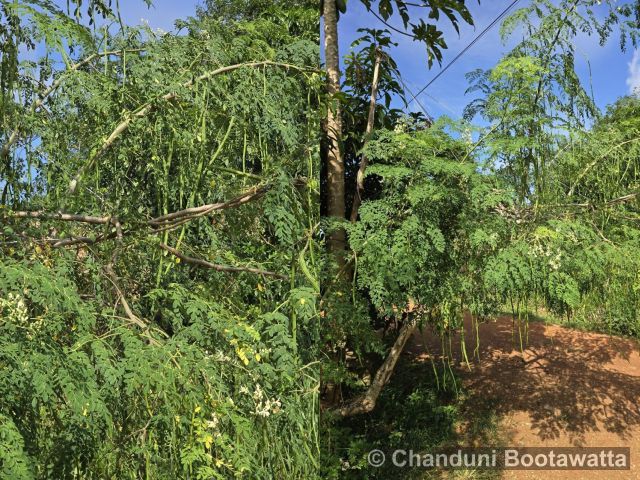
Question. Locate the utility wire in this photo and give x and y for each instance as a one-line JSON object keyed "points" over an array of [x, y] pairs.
{"points": [[473, 42], [406, 88]]}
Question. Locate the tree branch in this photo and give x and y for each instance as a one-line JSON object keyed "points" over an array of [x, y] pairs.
{"points": [[158, 224], [15, 135], [367, 402], [147, 108], [69, 217], [220, 268], [194, 212], [364, 162]]}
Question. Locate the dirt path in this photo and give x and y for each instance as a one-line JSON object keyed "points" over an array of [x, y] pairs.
{"points": [[571, 388]]}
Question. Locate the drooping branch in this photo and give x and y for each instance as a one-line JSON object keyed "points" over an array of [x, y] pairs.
{"points": [[220, 268], [15, 135], [147, 108], [158, 224], [195, 212], [68, 217], [120, 228]]}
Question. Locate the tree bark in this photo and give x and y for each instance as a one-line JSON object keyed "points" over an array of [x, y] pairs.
{"points": [[364, 162], [335, 163], [367, 402]]}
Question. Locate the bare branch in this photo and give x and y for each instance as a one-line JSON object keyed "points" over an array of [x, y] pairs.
{"points": [[158, 224], [367, 402], [69, 217], [220, 268], [194, 212]]}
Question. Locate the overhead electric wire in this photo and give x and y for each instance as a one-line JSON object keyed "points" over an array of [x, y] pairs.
{"points": [[406, 88], [471, 44]]}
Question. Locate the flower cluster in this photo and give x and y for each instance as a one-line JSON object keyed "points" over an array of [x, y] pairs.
{"points": [[265, 406], [14, 309], [553, 256]]}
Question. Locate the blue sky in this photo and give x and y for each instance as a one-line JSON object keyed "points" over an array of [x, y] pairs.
{"points": [[162, 14], [613, 73]]}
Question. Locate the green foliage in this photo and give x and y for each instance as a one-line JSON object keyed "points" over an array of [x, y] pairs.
{"points": [[201, 403], [119, 359], [409, 242]]}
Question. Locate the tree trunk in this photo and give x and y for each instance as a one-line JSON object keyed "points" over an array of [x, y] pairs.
{"points": [[367, 402], [364, 162], [335, 163]]}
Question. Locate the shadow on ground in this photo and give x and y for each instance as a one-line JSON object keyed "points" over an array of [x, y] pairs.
{"points": [[570, 383]]}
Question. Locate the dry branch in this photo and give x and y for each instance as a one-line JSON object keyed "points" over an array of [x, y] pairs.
{"points": [[195, 212], [158, 224], [69, 217]]}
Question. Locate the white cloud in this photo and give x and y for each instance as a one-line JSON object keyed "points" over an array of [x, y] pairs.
{"points": [[633, 80]]}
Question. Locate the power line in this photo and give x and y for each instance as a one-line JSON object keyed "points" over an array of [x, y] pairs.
{"points": [[471, 44], [406, 88]]}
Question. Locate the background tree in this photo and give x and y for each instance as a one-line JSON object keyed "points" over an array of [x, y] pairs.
{"points": [[412, 26]]}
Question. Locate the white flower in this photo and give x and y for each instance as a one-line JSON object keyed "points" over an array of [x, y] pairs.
{"points": [[258, 394], [213, 423]]}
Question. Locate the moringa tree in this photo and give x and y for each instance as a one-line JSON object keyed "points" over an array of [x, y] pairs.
{"points": [[161, 322], [413, 25], [411, 15]]}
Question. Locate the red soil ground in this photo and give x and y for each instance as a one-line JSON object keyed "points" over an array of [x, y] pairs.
{"points": [[571, 388]]}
